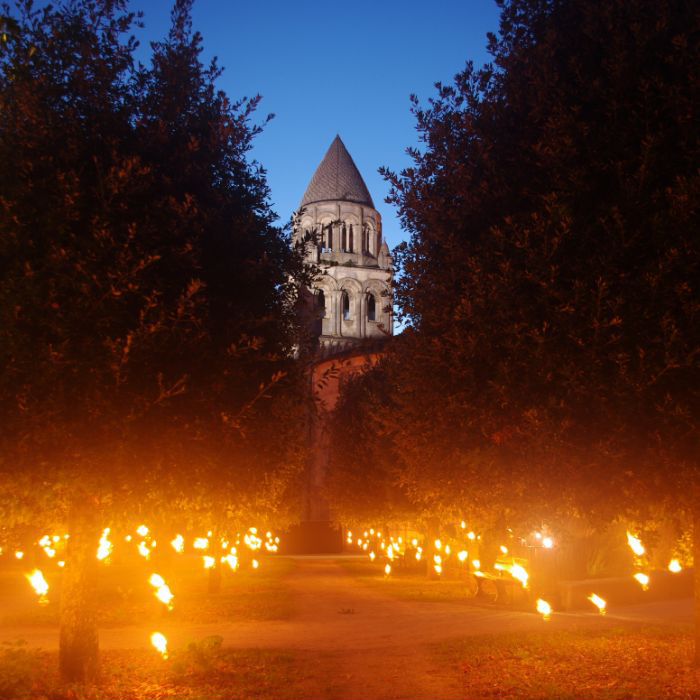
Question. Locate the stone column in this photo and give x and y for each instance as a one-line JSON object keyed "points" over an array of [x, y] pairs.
{"points": [[337, 312], [362, 316]]}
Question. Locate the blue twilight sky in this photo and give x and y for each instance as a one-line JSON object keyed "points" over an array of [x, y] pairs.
{"points": [[335, 67]]}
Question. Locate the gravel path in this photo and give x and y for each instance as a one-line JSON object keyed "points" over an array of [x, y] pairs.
{"points": [[355, 642]]}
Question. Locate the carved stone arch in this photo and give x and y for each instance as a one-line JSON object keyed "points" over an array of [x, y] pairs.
{"points": [[350, 284], [381, 293], [369, 235], [327, 283], [377, 287], [353, 289]]}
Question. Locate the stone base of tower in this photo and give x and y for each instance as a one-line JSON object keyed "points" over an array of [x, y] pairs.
{"points": [[313, 537]]}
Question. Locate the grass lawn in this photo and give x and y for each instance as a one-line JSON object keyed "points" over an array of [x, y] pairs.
{"points": [[410, 585], [127, 598], [633, 662], [203, 671]]}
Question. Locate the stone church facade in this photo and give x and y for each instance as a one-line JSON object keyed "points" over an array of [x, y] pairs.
{"points": [[343, 233]]}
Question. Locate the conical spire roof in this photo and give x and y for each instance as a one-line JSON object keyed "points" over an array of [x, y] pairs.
{"points": [[337, 178]]}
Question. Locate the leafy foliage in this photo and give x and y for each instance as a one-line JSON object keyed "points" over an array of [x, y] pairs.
{"points": [[146, 304], [146, 301], [550, 284]]}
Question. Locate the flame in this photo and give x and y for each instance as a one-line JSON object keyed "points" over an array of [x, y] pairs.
{"points": [[544, 608], [462, 556], [463, 525], [201, 543], [547, 542], [643, 580], [163, 592], [39, 584], [471, 535], [208, 562], [372, 555], [635, 544], [504, 549], [674, 566], [142, 530], [105, 547], [160, 643], [231, 560], [144, 551], [178, 543], [519, 573], [387, 569], [418, 556], [255, 563], [476, 563], [19, 554], [438, 544], [598, 602]]}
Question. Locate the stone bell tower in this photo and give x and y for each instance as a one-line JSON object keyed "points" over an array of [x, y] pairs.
{"points": [[350, 303], [352, 293]]}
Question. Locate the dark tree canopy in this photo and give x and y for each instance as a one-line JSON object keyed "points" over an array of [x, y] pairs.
{"points": [[146, 298], [550, 282]]}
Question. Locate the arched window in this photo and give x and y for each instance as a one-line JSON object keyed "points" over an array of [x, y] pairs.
{"points": [[344, 239], [346, 307], [350, 239], [371, 308], [321, 301], [370, 241], [329, 237]]}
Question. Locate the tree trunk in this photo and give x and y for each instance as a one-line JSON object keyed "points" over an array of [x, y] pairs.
{"points": [[79, 646], [696, 578]]}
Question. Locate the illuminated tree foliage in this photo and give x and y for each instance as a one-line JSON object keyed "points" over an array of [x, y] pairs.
{"points": [[550, 283], [145, 295]]}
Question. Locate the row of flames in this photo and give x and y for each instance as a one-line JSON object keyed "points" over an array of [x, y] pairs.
{"points": [[224, 551], [379, 547]]}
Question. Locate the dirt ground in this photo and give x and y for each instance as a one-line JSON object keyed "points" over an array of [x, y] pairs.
{"points": [[354, 641]]}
